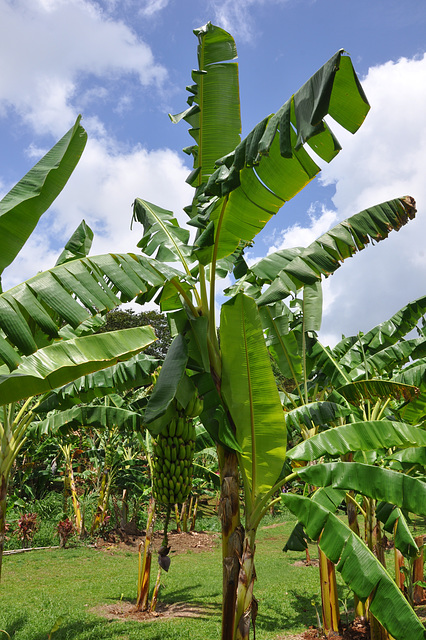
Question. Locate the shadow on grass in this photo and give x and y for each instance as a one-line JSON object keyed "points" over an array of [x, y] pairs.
{"points": [[16, 625], [272, 616]]}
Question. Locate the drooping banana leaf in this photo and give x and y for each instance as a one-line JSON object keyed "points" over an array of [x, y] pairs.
{"points": [[374, 482], [326, 497], [159, 409], [271, 165], [315, 413], [411, 456], [73, 292], [396, 356], [358, 436], [250, 392], [363, 390], [22, 207], [78, 246], [325, 255], [394, 521], [413, 374], [97, 416], [213, 415], [358, 567], [59, 363], [135, 372], [214, 102]]}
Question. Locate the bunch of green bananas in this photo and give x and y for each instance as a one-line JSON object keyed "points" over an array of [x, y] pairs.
{"points": [[173, 453]]}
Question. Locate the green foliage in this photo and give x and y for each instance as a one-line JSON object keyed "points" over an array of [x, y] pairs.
{"points": [[126, 318]]}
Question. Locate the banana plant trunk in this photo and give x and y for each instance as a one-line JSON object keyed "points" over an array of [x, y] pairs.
{"points": [[329, 597], [418, 591], [3, 495], [74, 497], [246, 604], [353, 524], [145, 560], [102, 502], [232, 537]]}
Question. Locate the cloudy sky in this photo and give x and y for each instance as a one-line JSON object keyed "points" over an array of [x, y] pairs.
{"points": [[124, 65]]}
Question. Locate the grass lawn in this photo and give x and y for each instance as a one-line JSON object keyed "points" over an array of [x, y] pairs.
{"points": [[40, 587]]}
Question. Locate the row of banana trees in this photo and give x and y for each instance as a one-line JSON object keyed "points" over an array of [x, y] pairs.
{"points": [[47, 326]]}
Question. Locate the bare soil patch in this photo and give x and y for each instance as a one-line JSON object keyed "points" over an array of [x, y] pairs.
{"points": [[194, 541], [127, 611]]}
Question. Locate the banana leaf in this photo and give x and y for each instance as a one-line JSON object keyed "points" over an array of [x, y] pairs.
{"points": [[159, 409], [97, 416], [62, 362], [374, 482], [22, 207], [135, 372], [250, 392], [411, 455], [394, 521], [78, 246], [413, 374], [214, 105], [359, 436], [271, 165], [162, 233], [363, 390], [326, 497], [315, 413], [325, 255], [72, 292], [359, 568], [281, 342]]}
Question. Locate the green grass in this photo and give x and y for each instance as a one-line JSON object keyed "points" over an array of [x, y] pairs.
{"points": [[42, 586]]}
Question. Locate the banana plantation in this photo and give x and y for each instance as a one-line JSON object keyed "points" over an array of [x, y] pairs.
{"points": [[246, 411]]}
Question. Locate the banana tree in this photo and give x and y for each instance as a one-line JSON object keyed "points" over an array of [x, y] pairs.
{"points": [[239, 186]]}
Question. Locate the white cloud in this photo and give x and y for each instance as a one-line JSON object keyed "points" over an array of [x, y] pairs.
{"points": [[385, 159], [52, 46], [298, 236], [101, 191], [235, 16], [153, 6]]}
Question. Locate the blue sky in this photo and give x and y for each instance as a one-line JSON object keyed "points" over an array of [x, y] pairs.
{"points": [[124, 65]]}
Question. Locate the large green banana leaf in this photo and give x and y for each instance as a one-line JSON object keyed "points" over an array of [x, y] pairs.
{"points": [[21, 208], [71, 293], [325, 255], [97, 416], [359, 568], [374, 482], [214, 102], [271, 165], [250, 392], [359, 436], [135, 372], [61, 362]]}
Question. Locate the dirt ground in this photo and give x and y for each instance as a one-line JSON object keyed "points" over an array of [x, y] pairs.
{"points": [[179, 542]]}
